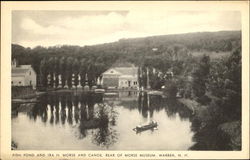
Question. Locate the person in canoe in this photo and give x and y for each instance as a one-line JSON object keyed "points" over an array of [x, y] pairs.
{"points": [[150, 125]]}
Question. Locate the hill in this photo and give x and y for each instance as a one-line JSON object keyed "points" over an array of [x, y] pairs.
{"points": [[136, 50]]}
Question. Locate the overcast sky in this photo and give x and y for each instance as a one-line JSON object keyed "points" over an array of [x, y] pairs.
{"points": [[49, 28]]}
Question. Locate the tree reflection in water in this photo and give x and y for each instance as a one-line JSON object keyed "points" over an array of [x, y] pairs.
{"points": [[96, 118], [85, 111], [148, 104], [99, 117], [174, 107], [105, 135]]}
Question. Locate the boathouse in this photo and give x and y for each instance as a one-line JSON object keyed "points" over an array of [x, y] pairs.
{"points": [[120, 77]]}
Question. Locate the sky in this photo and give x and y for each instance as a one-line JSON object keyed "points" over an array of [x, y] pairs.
{"points": [[50, 28]]}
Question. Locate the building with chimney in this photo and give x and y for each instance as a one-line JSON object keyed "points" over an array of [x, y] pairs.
{"points": [[22, 75]]}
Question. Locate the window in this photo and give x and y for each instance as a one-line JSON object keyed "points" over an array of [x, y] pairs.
{"points": [[11, 82], [19, 82], [30, 72], [30, 82]]}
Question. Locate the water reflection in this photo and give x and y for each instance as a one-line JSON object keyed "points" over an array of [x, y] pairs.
{"points": [[87, 111], [107, 121]]}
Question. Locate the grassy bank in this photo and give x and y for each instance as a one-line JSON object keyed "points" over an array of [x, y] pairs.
{"points": [[194, 106]]}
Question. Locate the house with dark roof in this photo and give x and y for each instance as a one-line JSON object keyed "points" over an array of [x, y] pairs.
{"points": [[22, 75], [120, 77]]}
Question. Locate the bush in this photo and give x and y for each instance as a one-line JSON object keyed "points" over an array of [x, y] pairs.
{"points": [[170, 89], [204, 100]]}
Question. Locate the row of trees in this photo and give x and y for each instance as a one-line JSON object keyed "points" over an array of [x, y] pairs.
{"points": [[67, 67], [176, 59], [68, 71]]}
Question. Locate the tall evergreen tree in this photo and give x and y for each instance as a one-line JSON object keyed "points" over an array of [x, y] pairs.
{"points": [[200, 77]]}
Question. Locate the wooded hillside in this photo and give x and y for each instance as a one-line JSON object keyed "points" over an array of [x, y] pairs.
{"points": [[136, 50]]}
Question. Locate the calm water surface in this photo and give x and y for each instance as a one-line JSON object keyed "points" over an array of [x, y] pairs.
{"points": [[81, 121]]}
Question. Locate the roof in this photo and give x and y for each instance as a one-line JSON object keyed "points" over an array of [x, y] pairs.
{"points": [[126, 76], [127, 70], [25, 66], [20, 70]]}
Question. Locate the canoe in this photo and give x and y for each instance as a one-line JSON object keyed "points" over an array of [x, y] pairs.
{"points": [[157, 93], [150, 125], [111, 94], [99, 90]]}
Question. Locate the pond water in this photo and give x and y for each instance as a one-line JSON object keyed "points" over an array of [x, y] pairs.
{"points": [[80, 121]]}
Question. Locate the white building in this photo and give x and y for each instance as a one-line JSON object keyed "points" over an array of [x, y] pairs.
{"points": [[121, 77], [22, 75]]}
